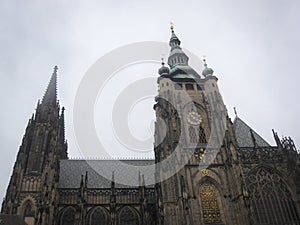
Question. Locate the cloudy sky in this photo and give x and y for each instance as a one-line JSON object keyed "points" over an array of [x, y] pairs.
{"points": [[253, 47]]}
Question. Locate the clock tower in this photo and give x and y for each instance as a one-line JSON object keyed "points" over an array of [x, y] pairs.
{"points": [[194, 146]]}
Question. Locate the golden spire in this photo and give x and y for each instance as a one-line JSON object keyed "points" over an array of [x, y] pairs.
{"points": [[171, 25]]}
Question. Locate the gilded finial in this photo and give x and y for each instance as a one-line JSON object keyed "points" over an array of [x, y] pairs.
{"points": [[171, 25]]}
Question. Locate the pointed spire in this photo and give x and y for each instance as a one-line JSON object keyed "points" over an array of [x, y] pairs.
{"points": [[253, 138], [81, 181], [50, 96], [86, 179], [174, 41], [235, 112], [277, 140], [62, 123], [177, 56], [113, 181]]}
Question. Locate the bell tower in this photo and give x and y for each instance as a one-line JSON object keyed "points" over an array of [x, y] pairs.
{"points": [[31, 190], [194, 143]]}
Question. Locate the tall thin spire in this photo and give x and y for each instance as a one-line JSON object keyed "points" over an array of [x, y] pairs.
{"points": [[50, 96], [174, 40], [177, 56]]}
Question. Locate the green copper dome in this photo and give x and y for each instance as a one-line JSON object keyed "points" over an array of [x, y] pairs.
{"points": [[163, 70], [207, 71]]}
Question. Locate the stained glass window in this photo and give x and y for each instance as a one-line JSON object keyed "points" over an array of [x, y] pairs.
{"points": [[209, 203], [193, 136], [68, 217], [128, 216], [202, 137], [271, 201], [99, 217]]}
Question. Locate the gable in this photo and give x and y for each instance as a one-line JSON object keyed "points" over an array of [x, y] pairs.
{"points": [[243, 135]]}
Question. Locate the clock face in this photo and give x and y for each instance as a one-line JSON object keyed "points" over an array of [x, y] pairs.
{"points": [[194, 118], [199, 153]]}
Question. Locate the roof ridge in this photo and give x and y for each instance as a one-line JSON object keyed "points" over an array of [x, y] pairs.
{"points": [[107, 158]]}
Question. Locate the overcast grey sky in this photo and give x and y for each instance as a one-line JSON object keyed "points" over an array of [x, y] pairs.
{"points": [[253, 47]]}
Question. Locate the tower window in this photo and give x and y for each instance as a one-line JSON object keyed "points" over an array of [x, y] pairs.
{"points": [[202, 137], [189, 87], [162, 85], [178, 86], [193, 136]]}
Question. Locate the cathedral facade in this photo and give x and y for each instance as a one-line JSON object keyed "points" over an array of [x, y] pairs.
{"points": [[209, 169]]}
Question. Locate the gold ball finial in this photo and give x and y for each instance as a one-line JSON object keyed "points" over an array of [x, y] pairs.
{"points": [[171, 25]]}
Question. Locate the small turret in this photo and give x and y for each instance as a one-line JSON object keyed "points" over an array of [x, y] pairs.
{"points": [[207, 71], [163, 70]]}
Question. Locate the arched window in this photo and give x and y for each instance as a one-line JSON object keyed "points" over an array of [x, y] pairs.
{"points": [[29, 213], [202, 137], [99, 216], [270, 199], [28, 209], [189, 87], [193, 136], [128, 216], [68, 217], [209, 203]]}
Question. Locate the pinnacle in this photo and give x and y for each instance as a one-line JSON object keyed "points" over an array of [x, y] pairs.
{"points": [[50, 96]]}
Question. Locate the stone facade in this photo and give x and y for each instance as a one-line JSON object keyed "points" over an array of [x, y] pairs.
{"points": [[209, 170]]}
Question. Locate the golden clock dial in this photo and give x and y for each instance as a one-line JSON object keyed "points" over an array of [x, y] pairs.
{"points": [[199, 153], [194, 118]]}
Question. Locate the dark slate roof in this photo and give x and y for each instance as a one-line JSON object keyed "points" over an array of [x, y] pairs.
{"points": [[100, 173], [11, 220], [243, 135]]}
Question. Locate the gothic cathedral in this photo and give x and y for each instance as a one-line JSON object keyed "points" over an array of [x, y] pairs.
{"points": [[209, 170]]}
